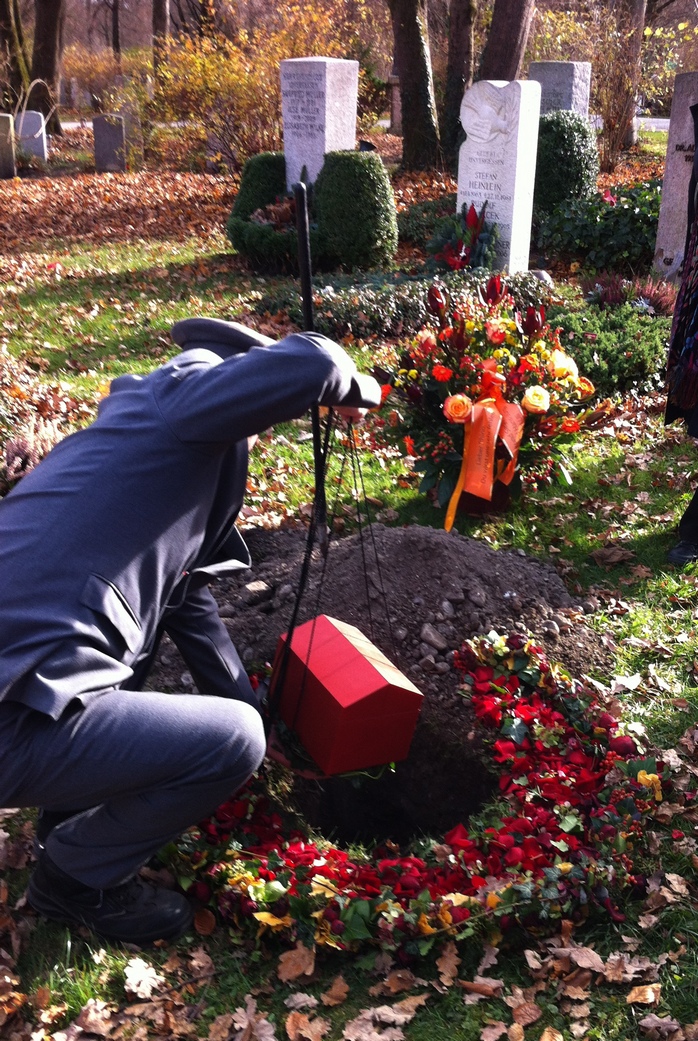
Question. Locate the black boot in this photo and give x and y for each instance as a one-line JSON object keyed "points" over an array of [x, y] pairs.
{"points": [[134, 912]]}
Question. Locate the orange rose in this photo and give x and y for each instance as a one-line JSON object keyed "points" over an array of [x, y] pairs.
{"points": [[457, 408], [536, 400], [561, 366]]}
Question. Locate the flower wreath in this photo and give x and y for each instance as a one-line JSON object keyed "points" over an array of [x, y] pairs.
{"points": [[575, 797]]}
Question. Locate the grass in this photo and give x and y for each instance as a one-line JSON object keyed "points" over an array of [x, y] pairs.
{"points": [[107, 310]]}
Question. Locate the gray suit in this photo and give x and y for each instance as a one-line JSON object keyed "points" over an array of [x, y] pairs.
{"points": [[112, 540]]}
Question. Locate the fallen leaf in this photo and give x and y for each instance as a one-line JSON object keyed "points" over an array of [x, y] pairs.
{"points": [[448, 964], [659, 1026], [337, 992], [300, 1000], [644, 995], [550, 1034], [221, 1027], [526, 1014], [253, 1024], [298, 962], [141, 979], [204, 921], [95, 1018], [300, 1028], [489, 958], [610, 555], [494, 1031], [516, 1032]]}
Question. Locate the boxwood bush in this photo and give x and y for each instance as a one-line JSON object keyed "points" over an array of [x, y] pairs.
{"points": [[612, 232], [567, 165], [357, 221]]}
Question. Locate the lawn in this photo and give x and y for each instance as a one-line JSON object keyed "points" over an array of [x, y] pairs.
{"points": [[97, 299]]}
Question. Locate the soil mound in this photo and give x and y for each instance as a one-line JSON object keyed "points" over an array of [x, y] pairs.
{"points": [[417, 593]]}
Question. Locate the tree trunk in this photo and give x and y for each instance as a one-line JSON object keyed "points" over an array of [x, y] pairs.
{"points": [[46, 60], [631, 25], [161, 31], [420, 133], [13, 50], [459, 71], [116, 29], [507, 38]]}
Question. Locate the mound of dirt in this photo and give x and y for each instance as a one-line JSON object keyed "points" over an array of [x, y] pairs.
{"points": [[417, 593]]}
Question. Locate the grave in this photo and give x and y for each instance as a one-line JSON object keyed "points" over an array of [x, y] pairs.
{"points": [[673, 211], [110, 143], [318, 103], [31, 134], [497, 161], [8, 167], [564, 85]]}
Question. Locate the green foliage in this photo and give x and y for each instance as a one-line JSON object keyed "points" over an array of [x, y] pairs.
{"points": [[418, 222], [616, 231], [618, 348], [263, 180], [356, 216], [567, 165], [463, 240], [385, 305]]}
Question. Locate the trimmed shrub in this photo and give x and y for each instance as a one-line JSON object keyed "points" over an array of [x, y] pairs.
{"points": [[567, 165], [615, 231], [619, 348], [263, 181], [355, 208]]}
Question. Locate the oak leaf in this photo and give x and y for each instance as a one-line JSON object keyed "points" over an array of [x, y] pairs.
{"points": [[141, 978], [448, 964], [659, 1026], [337, 993], [300, 1028], [298, 962], [648, 995], [221, 1027], [300, 1000], [526, 1014], [253, 1025]]}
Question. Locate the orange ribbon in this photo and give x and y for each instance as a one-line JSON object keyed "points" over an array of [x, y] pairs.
{"points": [[492, 419]]}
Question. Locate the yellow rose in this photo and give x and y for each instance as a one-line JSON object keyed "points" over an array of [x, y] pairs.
{"points": [[536, 400], [561, 366], [457, 408]]}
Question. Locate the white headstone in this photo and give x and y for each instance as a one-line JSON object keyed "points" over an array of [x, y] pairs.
{"points": [[30, 133], [7, 147], [673, 211], [497, 161], [564, 85], [318, 104]]}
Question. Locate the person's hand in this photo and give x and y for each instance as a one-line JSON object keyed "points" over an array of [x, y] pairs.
{"points": [[348, 414]]}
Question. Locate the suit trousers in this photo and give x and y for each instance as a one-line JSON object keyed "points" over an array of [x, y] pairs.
{"points": [[140, 767], [688, 525]]}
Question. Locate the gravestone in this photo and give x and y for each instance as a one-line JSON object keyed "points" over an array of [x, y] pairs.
{"points": [[497, 161], [318, 104], [564, 85], [31, 134], [673, 211], [110, 143], [8, 167]]}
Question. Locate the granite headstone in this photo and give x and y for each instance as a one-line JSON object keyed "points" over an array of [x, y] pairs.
{"points": [[497, 161], [318, 103], [673, 211], [8, 166], [564, 85], [110, 143]]}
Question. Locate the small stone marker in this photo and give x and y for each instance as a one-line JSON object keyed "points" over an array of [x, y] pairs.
{"points": [[31, 134], [564, 85], [318, 104], [497, 161], [110, 143], [8, 167], [673, 211]]}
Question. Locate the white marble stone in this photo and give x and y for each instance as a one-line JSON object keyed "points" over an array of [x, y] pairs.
{"points": [[318, 103], [497, 161], [564, 85], [30, 129], [673, 212]]}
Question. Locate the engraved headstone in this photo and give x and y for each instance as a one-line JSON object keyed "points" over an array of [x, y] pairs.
{"points": [[318, 103], [110, 143], [563, 84], [497, 161], [31, 134], [673, 211], [8, 166]]}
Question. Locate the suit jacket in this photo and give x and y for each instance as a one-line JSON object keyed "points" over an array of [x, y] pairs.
{"points": [[117, 533]]}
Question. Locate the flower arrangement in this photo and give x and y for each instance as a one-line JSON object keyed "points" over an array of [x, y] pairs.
{"points": [[484, 395], [464, 240], [575, 797]]}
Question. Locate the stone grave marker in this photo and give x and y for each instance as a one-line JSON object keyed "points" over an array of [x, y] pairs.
{"points": [[318, 104], [110, 143], [563, 84], [8, 167], [31, 134], [673, 211], [497, 161]]}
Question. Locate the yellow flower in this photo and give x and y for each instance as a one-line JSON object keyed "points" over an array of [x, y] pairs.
{"points": [[561, 366], [493, 900], [267, 920], [424, 927], [564, 868], [651, 781], [536, 400]]}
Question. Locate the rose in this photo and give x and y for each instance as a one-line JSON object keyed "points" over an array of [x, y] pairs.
{"points": [[561, 366], [536, 400], [457, 408], [585, 387]]}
